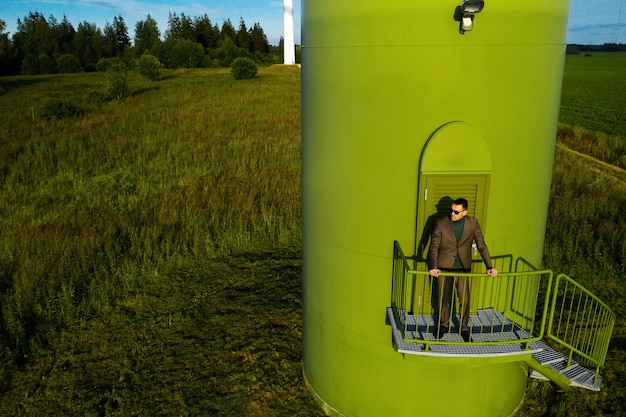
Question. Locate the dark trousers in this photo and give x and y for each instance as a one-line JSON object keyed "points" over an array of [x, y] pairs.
{"points": [[446, 298]]}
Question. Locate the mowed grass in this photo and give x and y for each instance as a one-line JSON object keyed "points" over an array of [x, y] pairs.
{"points": [[593, 92], [593, 120]]}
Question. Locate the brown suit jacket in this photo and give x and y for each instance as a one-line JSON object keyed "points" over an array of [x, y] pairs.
{"points": [[444, 248]]}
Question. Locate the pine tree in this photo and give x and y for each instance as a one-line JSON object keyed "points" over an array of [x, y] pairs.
{"points": [[121, 34], [228, 31], [206, 33], [243, 37], [258, 40], [147, 35]]}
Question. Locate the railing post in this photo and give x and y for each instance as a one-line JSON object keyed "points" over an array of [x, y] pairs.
{"points": [[502, 309], [580, 322]]}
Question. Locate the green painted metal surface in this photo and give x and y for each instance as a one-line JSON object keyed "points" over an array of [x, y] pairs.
{"points": [[393, 94]]}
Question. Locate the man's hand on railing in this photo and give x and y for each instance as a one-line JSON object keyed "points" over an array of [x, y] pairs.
{"points": [[434, 272]]}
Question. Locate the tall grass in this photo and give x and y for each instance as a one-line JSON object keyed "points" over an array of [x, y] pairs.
{"points": [[608, 148], [586, 239], [587, 229], [150, 245], [95, 206]]}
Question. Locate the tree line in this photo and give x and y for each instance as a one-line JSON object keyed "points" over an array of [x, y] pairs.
{"points": [[46, 46], [575, 49]]}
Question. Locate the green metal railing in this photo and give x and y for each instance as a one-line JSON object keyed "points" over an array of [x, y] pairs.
{"points": [[503, 309], [524, 299], [580, 322], [398, 288]]}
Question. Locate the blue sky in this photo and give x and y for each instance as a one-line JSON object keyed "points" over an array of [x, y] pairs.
{"points": [[591, 21], [268, 13]]}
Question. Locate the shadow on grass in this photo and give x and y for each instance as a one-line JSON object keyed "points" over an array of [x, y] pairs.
{"points": [[218, 338], [143, 90], [11, 83]]}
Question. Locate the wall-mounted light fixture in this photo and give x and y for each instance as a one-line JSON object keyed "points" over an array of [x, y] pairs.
{"points": [[466, 13]]}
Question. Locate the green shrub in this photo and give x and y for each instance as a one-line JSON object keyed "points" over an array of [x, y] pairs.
{"points": [[30, 65], [186, 54], [207, 61], [60, 109], [41, 64], [244, 68], [150, 67], [67, 64], [117, 76], [105, 63]]}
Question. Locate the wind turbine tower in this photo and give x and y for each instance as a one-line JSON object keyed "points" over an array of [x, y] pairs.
{"points": [[441, 99], [288, 41]]}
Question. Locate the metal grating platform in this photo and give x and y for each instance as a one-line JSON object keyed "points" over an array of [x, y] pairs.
{"points": [[420, 328], [487, 325]]}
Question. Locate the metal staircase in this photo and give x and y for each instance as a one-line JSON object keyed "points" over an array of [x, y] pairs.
{"points": [[559, 329], [548, 364], [580, 324]]}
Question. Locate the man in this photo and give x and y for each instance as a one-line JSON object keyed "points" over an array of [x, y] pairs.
{"points": [[451, 251]]}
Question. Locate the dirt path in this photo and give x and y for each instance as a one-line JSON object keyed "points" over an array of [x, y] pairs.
{"points": [[611, 172]]}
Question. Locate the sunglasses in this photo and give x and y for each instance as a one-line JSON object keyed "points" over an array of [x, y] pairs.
{"points": [[456, 212]]}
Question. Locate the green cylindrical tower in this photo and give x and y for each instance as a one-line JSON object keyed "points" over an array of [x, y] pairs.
{"points": [[397, 102]]}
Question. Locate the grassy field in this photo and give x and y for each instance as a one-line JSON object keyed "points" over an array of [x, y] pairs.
{"points": [[592, 106], [150, 248], [586, 239], [593, 92], [149, 259]]}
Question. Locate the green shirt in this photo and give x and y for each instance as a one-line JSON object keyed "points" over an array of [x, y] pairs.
{"points": [[457, 226]]}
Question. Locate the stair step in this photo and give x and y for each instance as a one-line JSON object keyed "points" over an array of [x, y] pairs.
{"points": [[582, 377], [549, 356], [578, 375]]}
